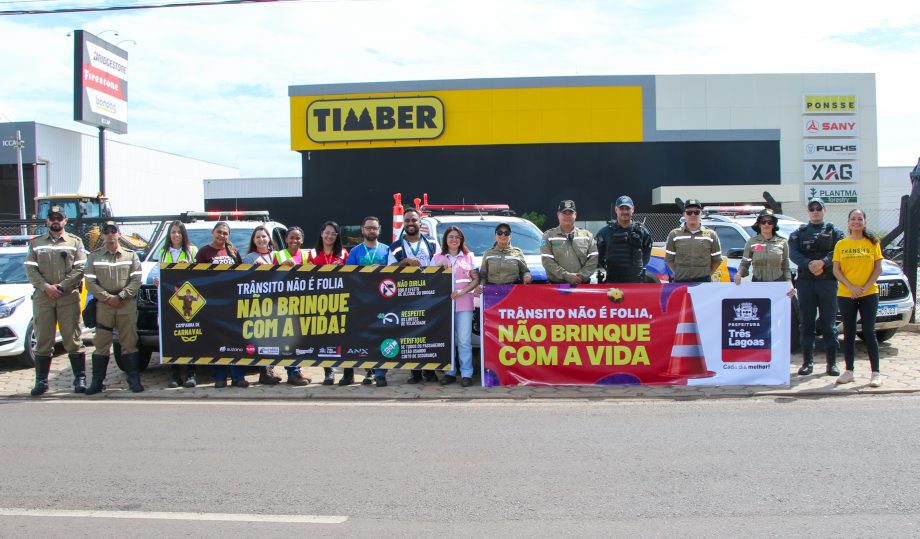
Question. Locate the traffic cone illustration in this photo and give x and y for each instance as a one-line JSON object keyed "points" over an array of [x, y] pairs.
{"points": [[687, 360], [397, 215]]}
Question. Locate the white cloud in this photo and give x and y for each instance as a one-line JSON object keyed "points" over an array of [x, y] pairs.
{"points": [[211, 82]]}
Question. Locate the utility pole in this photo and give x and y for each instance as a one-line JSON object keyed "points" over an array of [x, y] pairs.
{"points": [[20, 144]]}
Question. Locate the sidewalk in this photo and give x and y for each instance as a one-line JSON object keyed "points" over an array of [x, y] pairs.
{"points": [[900, 367]]}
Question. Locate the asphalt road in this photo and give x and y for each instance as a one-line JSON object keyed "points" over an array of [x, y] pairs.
{"points": [[755, 467]]}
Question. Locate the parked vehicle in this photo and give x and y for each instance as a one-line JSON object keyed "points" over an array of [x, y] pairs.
{"points": [[17, 328]]}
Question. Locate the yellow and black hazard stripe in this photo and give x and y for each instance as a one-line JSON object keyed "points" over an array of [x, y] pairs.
{"points": [[341, 363], [330, 268]]}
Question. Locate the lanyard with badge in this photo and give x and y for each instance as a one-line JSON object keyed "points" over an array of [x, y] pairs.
{"points": [[369, 258]]}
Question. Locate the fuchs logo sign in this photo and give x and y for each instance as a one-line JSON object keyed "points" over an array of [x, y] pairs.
{"points": [[830, 172], [831, 148], [388, 118], [829, 104], [829, 126]]}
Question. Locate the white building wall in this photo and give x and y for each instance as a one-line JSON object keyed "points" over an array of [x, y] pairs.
{"points": [[774, 101], [253, 187], [139, 181]]}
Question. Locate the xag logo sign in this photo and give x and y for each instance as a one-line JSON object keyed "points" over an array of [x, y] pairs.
{"points": [[395, 118], [830, 172]]}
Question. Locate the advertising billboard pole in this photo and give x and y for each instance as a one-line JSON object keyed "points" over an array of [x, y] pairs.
{"points": [[101, 160]]}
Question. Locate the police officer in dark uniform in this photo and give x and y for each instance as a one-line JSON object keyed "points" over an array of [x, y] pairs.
{"points": [[623, 247], [811, 248]]}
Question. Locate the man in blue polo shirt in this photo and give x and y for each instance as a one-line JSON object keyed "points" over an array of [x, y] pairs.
{"points": [[369, 253]]}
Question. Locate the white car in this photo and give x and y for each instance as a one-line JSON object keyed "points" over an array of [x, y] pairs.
{"points": [[479, 235], [17, 329], [896, 304]]}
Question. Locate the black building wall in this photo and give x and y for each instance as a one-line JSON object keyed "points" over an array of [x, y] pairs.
{"points": [[346, 185]]}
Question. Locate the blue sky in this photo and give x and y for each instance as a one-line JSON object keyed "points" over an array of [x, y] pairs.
{"points": [[211, 82]]}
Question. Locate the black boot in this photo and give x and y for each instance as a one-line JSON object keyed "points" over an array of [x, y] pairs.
{"points": [[832, 369], [175, 379], [808, 367], [329, 379], [100, 365], [134, 376], [42, 368], [78, 366], [191, 380]]}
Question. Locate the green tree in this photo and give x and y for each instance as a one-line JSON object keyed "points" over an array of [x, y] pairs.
{"points": [[536, 218]]}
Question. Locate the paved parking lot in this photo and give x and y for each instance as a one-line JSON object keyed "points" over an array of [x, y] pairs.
{"points": [[900, 370]]}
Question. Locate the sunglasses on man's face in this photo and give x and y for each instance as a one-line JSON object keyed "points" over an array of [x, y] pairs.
{"points": [[57, 219], [692, 212], [502, 232], [814, 208], [770, 222]]}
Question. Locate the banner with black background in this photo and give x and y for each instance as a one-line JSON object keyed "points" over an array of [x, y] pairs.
{"points": [[328, 316]]}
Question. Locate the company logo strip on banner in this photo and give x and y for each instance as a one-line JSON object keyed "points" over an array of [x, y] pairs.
{"points": [[344, 363], [829, 104], [829, 126], [471, 117], [817, 149], [830, 172], [351, 120]]}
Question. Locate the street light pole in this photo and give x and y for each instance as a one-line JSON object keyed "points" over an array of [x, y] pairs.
{"points": [[20, 144]]}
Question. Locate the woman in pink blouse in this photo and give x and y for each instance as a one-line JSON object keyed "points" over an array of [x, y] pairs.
{"points": [[456, 256]]}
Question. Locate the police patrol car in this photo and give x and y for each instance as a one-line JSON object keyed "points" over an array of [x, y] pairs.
{"points": [[733, 225]]}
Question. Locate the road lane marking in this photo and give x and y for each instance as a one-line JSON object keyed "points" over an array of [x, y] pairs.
{"points": [[163, 515]]}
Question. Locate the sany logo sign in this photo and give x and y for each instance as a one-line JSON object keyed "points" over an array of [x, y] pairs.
{"points": [[396, 118], [830, 172], [829, 126]]}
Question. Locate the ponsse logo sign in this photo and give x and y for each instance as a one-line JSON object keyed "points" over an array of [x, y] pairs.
{"points": [[394, 118]]}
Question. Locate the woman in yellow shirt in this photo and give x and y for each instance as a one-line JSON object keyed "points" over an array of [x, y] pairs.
{"points": [[857, 265]]}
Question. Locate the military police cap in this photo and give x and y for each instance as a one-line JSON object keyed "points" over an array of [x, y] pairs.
{"points": [[566, 205], [109, 227], [693, 202], [625, 201], [58, 210], [817, 201]]}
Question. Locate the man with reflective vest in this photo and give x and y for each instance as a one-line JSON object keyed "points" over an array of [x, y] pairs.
{"points": [[624, 247], [568, 253], [54, 266], [113, 276], [811, 249], [412, 249], [692, 251]]}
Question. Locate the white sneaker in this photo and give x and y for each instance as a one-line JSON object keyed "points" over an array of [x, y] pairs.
{"points": [[846, 378], [876, 380]]}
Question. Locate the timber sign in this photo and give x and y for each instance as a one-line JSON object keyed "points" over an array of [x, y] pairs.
{"points": [[387, 118]]}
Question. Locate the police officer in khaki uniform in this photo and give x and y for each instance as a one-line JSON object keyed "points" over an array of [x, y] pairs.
{"points": [[113, 276], [569, 253], [693, 251], [503, 263], [54, 266]]}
